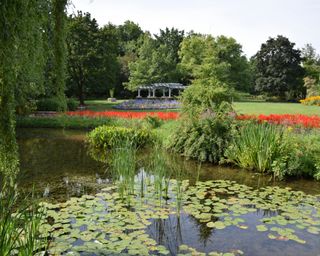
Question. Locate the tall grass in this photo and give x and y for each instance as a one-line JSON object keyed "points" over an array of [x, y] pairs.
{"points": [[20, 220], [123, 168], [256, 146]]}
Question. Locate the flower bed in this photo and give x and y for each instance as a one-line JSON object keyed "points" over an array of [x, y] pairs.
{"points": [[138, 104], [314, 100], [127, 114], [286, 119]]}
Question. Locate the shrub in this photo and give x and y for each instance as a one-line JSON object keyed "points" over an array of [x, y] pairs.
{"points": [[205, 139], [201, 96], [108, 137], [313, 100], [72, 104], [49, 104], [300, 155]]}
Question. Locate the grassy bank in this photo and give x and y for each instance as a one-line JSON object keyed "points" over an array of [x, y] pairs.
{"points": [[265, 108], [268, 108]]}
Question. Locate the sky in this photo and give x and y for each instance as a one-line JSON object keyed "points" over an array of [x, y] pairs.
{"points": [[250, 22]]}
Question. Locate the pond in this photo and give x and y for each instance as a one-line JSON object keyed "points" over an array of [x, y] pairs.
{"points": [[206, 209]]}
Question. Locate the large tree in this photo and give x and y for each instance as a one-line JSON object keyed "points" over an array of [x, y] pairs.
{"points": [[205, 57], [82, 53], [279, 70], [172, 39], [22, 59]]}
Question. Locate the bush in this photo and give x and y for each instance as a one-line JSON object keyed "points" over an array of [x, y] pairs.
{"points": [[54, 104], [72, 104], [49, 104], [314, 100], [205, 139], [201, 96], [108, 137]]}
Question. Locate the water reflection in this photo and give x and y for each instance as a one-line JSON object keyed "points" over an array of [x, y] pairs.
{"points": [[58, 159]]}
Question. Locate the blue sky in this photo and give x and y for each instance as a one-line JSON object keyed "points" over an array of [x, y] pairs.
{"points": [[250, 22]]}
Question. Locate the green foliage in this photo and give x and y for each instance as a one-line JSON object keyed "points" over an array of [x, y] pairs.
{"points": [[205, 139], [256, 146], [123, 168], [311, 63], [60, 52], [206, 57], [157, 60], [72, 104], [300, 155], [278, 67], [205, 95], [270, 149], [49, 104], [92, 57], [20, 220], [153, 121], [108, 137]]}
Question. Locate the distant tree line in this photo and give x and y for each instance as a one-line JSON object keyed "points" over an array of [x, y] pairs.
{"points": [[115, 60]]}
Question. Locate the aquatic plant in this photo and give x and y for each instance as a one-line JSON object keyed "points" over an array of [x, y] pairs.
{"points": [[255, 147], [123, 169], [20, 220], [104, 224]]}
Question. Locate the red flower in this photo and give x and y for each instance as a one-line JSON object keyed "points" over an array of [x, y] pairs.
{"points": [[286, 119], [127, 114]]}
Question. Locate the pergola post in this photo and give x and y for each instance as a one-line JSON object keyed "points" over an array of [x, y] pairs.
{"points": [[163, 93], [169, 92], [153, 93], [149, 93], [139, 93]]}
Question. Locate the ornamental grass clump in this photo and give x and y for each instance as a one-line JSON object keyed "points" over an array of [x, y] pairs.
{"points": [[256, 147], [20, 220]]}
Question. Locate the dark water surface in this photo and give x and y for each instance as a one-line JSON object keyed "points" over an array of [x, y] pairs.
{"points": [[57, 164]]}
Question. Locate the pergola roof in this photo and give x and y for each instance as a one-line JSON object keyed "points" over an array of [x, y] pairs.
{"points": [[163, 85]]}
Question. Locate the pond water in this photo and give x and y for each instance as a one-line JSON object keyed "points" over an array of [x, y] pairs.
{"points": [[220, 210]]}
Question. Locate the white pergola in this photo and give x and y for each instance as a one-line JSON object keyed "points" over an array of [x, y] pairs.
{"points": [[160, 86]]}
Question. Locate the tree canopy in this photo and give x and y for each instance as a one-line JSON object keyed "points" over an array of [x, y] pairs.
{"points": [[278, 69]]}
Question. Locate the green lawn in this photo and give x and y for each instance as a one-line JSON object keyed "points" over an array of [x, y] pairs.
{"points": [[241, 107], [275, 108]]}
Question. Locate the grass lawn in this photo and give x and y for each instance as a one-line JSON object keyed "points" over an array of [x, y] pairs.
{"points": [[275, 108], [241, 107]]}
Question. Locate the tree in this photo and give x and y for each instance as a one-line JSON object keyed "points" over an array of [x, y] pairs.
{"points": [[139, 70], [155, 63], [59, 49], [279, 71], [205, 57], [172, 39], [21, 70], [311, 62], [82, 48]]}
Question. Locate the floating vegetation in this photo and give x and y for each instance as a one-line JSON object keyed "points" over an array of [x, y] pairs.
{"points": [[104, 224]]}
